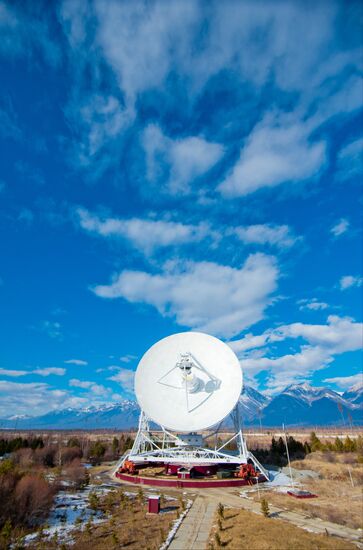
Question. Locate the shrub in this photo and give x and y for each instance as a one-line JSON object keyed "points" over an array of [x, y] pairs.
{"points": [[77, 474], [220, 510], [69, 454], [45, 456], [33, 499]]}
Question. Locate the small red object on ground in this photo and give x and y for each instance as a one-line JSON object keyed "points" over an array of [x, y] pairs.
{"points": [[154, 504]]}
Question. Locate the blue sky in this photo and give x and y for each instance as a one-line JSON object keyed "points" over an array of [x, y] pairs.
{"points": [[169, 166]]}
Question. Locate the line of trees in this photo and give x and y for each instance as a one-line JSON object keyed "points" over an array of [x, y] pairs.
{"points": [[346, 445], [276, 453], [49, 453]]}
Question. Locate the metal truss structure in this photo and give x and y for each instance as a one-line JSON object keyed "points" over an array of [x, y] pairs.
{"points": [[155, 446]]}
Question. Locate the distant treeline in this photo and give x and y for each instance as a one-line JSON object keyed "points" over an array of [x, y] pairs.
{"points": [[49, 453], [276, 454]]}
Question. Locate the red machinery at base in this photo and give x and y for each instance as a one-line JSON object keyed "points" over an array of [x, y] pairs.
{"points": [[128, 467], [246, 471]]}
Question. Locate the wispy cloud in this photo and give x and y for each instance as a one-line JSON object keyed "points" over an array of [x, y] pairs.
{"points": [[340, 228], [314, 304], [93, 387], [350, 161], [349, 281], [274, 235], [346, 382], [79, 362], [13, 372], [144, 234], [47, 371], [272, 156], [177, 162], [52, 328], [50, 370], [128, 358]]}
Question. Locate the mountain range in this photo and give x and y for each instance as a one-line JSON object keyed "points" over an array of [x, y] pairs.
{"points": [[297, 405]]}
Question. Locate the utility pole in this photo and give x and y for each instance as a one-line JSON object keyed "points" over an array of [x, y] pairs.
{"points": [[288, 456]]}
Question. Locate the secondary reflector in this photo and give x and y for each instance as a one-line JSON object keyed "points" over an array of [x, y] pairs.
{"points": [[188, 382]]}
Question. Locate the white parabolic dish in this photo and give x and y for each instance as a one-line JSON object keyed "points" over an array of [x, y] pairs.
{"points": [[212, 394]]}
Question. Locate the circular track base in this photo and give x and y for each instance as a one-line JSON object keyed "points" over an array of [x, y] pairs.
{"points": [[187, 483]]}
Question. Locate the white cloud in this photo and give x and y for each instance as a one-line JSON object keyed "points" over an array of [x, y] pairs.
{"points": [[34, 398], [349, 281], [97, 389], [15, 373], [278, 150], [214, 298], [128, 358], [340, 227], [312, 304], [346, 382], [186, 158], [79, 362], [138, 40], [145, 235], [338, 336], [125, 377], [41, 372], [275, 235], [50, 370]]}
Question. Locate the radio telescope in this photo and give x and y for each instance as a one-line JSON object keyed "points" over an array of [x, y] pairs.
{"points": [[186, 384]]}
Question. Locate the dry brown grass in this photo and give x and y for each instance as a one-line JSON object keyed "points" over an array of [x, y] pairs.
{"points": [[242, 530], [332, 465], [337, 500]]}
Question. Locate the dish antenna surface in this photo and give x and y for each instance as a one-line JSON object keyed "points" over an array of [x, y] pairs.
{"points": [[188, 382]]}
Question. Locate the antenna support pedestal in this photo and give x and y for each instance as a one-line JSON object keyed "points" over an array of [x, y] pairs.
{"points": [[162, 446]]}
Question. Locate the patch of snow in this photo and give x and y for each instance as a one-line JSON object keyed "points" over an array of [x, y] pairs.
{"points": [[66, 512]]}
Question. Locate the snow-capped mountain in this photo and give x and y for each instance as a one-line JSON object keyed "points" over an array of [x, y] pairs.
{"points": [[122, 415], [309, 393], [302, 404], [355, 394], [298, 404], [252, 402]]}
